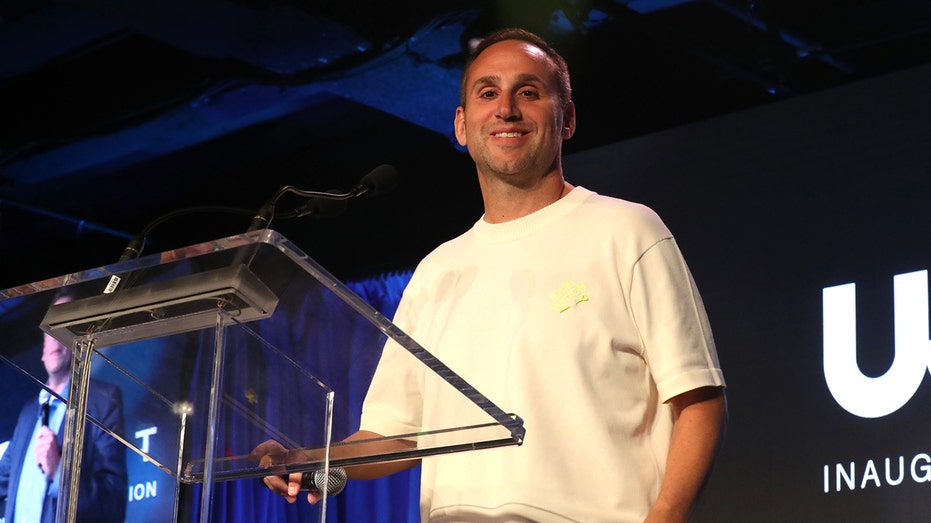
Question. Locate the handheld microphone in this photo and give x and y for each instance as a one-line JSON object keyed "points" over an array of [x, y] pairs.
{"points": [[335, 482], [44, 399]]}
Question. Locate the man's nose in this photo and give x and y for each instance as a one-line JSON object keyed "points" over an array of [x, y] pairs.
{"points": [[508, 108]]}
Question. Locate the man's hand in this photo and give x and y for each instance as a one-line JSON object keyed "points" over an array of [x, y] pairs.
{"points": [[274, 457], [271, 455], [48, 455]]}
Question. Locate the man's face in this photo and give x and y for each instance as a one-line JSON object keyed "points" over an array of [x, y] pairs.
{"points": [[512, 121], [55, 356]]}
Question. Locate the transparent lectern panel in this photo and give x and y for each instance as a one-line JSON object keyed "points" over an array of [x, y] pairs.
{"points": [[107, 461], [262, 394], [221, 346], [312, 306]]}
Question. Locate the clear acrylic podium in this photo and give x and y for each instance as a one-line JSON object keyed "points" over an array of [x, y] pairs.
{"points": [[220, 346]]}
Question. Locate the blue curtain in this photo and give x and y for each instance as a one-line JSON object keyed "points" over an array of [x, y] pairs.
{"points": [[390, 500]]}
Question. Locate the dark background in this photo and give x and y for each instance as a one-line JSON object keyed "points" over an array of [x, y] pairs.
{"points": [[116, 113], [784, 143], [770, 206]]}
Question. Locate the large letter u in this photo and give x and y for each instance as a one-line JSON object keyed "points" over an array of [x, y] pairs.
{"points": [[865, 396]]}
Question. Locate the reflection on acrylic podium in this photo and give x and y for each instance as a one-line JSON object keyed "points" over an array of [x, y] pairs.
{"points": [[220, 346]]}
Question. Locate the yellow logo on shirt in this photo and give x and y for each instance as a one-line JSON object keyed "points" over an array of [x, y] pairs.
{"points": [[569, 294], [251, 396]]}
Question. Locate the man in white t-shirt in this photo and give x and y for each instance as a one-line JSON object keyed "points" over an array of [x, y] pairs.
{"points": [[573, 309]]}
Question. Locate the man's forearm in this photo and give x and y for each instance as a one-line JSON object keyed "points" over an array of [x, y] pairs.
{"points": [[698, 430]]}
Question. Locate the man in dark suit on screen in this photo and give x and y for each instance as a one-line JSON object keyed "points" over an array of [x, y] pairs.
{"points": [[29, 469]]}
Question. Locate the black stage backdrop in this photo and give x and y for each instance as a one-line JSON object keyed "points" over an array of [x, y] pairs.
{"points": [[771, 207]]}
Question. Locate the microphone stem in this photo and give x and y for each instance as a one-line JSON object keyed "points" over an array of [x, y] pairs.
{"points": [[263, 218]]}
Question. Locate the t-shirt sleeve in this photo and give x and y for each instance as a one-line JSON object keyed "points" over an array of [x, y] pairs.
{"points": [[674, 328], [393, 402]]}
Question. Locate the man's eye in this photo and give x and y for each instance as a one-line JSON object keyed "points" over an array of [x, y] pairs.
{"points": [[528, 93], [486, 94]]}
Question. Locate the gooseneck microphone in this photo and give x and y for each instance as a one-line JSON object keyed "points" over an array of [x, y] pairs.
{"points": [[380, 180], [319, 204]]}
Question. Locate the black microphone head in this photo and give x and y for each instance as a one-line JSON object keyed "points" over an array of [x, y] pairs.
{"points": [[381, 180]]}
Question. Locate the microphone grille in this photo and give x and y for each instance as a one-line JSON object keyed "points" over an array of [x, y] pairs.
{"points": [[335, 481]]}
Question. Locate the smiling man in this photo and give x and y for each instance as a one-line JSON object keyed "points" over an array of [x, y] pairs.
{"points": [[573, 309], [513, 121]]}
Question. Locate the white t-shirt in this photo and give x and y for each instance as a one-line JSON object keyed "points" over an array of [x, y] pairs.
{"points": [[583, 319]]}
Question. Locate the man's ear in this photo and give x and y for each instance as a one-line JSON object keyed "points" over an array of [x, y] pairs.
{"points": [[459, 126], [568, 121]]}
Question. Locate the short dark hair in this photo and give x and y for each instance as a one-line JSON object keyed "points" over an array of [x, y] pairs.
{"points": [[563, 83]]}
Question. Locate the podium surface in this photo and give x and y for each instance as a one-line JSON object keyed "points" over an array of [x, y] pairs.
{"points": [[223, 345]]}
